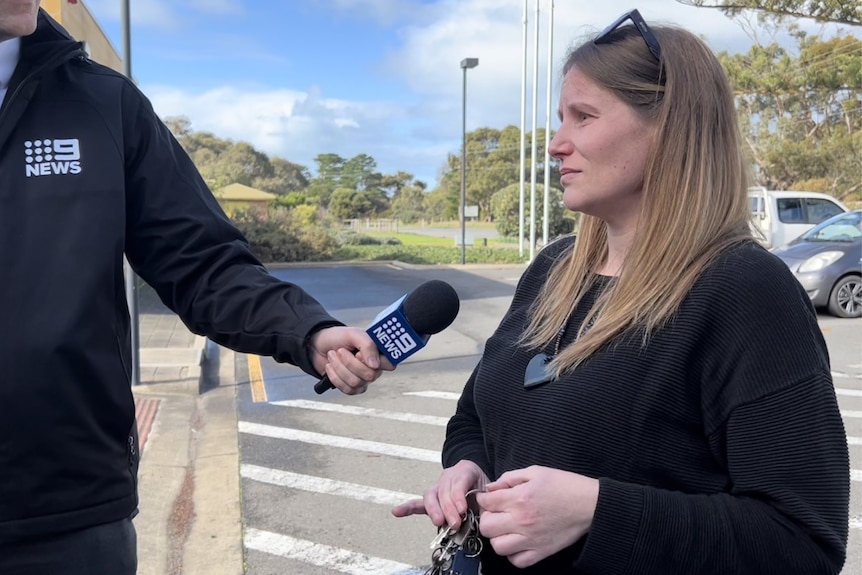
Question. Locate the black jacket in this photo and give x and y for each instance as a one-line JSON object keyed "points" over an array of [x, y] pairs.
{"points": [[89, 173]]}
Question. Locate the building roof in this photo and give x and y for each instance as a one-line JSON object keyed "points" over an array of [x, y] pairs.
{"points": [[240, 192]]}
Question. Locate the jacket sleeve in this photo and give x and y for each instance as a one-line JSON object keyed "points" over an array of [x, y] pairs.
{"points": [[181, 243], [771, 417]]}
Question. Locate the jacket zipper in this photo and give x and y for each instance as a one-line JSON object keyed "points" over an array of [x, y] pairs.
{"points": [[53, 62]]}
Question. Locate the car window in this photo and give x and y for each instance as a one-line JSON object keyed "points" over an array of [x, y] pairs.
{"points": [[845, 228], [756, 203], [790, 211], [821, 210]]}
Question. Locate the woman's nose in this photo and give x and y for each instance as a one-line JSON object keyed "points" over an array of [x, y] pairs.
{"points": [[558, 148]]}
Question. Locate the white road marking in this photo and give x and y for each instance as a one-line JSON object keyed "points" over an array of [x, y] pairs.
{"points": [[435, 394], [365, 411], [334, 558], [325, 486], [855, 523], [854, 440], [851, 413], [856, 474], [339, 441], [851, 392]]}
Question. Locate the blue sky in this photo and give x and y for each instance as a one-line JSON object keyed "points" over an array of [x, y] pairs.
{"points": [[297, 78]]}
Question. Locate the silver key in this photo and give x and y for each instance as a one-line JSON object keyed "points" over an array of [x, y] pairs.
{"points": [[450, 542]]}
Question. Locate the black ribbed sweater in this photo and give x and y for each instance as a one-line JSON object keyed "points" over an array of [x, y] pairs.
{"points": [[719, 447]]}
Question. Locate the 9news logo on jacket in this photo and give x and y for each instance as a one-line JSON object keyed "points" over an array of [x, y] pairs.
{"points": [[50, 157]]}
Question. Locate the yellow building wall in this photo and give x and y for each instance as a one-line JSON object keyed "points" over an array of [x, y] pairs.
{"points": [[78, 20], [231, 207]]}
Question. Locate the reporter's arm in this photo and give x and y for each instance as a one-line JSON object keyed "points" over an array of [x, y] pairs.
{"points": [[179, 240]]}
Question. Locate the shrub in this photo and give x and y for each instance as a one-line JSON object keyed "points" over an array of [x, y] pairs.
{"points": [[505, 207], [277, 236], [429, 254], [351, 238]]}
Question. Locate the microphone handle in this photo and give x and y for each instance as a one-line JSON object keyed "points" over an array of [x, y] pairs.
{"points": [[323, 385]]}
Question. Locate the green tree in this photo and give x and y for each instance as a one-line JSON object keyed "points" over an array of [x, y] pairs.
{"points": [[328, 178], [839, 11], [347, 203], [392, 184], [360, 173], [506, 210], [222, 162], [493, 162], [409, 205], [801, 112], [438, 207]]}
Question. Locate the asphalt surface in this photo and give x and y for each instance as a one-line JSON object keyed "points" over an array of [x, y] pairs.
{"points": [[319, 475]]}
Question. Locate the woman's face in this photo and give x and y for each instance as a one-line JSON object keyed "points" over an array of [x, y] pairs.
{"points": [[602, 145]]}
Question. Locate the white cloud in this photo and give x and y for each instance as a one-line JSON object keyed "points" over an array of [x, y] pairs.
{"points": [[416, 137], [300, 125]]}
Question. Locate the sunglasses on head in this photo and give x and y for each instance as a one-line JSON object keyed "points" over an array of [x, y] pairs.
{"points": [[641, 25]]}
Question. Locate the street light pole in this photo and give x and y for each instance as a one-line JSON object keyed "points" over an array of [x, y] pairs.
{"points": [[465, 64], [130, 276]]}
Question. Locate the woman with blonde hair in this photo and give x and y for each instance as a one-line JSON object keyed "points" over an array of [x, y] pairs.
{"points": [[657, 399]]}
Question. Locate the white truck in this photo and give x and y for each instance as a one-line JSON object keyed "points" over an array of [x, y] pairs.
{"points": [[779, 217]]}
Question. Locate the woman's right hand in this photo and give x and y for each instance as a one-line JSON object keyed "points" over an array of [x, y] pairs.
{"points": [[446, 501]]}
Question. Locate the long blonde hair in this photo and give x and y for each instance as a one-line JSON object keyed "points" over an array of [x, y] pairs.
{"points": [[694, 203]]}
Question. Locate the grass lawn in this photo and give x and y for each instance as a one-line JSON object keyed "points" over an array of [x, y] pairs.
{"points": [[411, 239]]}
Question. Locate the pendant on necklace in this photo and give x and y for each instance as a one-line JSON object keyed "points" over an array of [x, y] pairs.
{"points": [[538, 371]]}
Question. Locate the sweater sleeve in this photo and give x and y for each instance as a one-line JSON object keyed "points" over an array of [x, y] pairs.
{"points": [[182, 244], [771, 418], [464, 436], [785, 514]]}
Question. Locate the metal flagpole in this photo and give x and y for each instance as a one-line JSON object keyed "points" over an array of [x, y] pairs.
{"points": [[130, 277], [534, 152], [547, 158], [523, 135]]}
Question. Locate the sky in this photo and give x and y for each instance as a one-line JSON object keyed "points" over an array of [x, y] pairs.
{"points": [[298, 78]]}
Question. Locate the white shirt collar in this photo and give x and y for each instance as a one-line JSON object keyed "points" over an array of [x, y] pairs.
{"points": [[9, 51]]}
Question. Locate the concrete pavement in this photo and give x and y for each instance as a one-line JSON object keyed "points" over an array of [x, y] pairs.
{"points": [[189, 521]]}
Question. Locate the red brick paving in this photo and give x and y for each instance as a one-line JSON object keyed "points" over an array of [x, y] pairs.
{"points": [[145, 414]]}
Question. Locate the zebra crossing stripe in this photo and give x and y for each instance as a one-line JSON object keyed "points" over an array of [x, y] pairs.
{"points": [[364, 411], [850, 392], [325, 486], [334, 558], [435, 394], [855, 523], [854, 440], [856, 474], [289, 434], [856, 414]]}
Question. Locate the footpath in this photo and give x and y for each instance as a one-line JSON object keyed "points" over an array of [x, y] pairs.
{"points": [[190, 515]]}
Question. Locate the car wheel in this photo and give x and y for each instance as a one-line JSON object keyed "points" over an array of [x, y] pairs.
{"points": [[846, 297]]}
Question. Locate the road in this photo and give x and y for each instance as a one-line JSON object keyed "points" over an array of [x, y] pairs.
{"points": [[320, 473]]}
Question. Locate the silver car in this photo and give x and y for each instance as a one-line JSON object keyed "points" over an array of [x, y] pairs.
{"points": [[827, 261]]}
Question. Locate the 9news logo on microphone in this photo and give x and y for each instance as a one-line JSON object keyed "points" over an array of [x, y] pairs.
{"points": [[394, 336]]}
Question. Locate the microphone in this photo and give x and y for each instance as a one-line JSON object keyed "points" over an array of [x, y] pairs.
{"points": [[406, 325]]}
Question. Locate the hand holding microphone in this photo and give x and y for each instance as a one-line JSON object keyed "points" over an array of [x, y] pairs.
{"points": [[405, 327]]}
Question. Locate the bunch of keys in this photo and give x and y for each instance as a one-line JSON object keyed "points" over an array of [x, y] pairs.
{"points": [[456, 551]]}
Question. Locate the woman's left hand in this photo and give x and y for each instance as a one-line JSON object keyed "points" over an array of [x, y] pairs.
{"points": [[529, 514]]}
